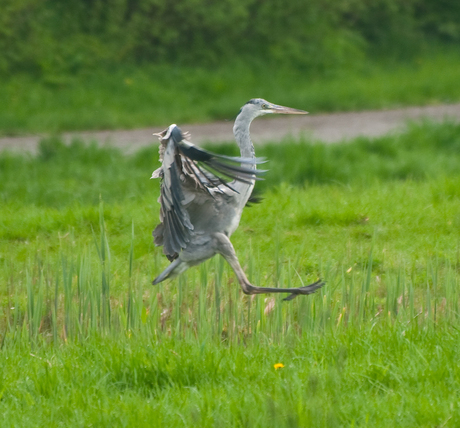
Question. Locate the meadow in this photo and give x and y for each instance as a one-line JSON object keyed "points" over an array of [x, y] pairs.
{"points": [[143, 96], [86, 339]]}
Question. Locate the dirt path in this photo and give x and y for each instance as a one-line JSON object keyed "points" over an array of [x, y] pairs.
{"points": [[325, 127]]}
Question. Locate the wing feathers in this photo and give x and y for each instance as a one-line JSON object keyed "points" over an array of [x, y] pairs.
{"points": [[184, 164]]}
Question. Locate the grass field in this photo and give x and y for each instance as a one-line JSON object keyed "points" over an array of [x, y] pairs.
{"points": [[87, 340], [160, 95]]}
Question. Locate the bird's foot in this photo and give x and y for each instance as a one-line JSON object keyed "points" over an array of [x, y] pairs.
{"points": [[308, 289]]}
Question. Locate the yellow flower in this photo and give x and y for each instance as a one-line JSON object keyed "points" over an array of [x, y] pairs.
{"points": [[278, 366]]}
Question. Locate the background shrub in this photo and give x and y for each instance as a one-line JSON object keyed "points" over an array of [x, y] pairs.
{"points": [[51, 37]]}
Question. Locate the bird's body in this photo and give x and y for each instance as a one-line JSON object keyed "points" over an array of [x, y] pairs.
{"points": [[203, 196]]}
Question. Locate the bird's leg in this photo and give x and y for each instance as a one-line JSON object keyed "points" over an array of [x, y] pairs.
{"points": [[225, 248], [174, 269]]}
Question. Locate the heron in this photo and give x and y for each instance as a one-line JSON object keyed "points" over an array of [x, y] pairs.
{"points": [[202, 197]]}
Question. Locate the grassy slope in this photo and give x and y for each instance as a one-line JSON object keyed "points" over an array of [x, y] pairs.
{"points": [[378, 346], [149, 96]]}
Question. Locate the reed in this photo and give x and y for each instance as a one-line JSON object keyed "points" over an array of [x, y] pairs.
{"points": [[73, 300]]}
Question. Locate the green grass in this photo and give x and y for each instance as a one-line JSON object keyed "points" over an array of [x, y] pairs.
{"points": [[159, 95], [87, 340]]}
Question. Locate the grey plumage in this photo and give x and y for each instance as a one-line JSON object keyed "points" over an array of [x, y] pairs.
{"points": [[203, 195]]}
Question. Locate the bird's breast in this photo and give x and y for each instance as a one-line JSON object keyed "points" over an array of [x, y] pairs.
{"points": [[215, 216]]}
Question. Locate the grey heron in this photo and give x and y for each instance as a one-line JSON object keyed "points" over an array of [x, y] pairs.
{"points": [[203, 195]]}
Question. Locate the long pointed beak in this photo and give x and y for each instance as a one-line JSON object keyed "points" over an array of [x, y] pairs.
{"points": [[286, 110]]}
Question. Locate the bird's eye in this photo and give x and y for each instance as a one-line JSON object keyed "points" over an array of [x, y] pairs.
{"points": [[265, 106]]}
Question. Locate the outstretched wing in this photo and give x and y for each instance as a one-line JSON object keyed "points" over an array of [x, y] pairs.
{"points": [[185, 169]]}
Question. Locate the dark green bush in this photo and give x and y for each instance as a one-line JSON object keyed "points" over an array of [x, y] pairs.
{"points": [[52, 37]]}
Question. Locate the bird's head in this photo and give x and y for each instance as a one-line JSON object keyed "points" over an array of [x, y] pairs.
{"points": [[259, 107]]}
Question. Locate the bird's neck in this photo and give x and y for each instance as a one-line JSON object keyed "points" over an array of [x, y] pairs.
{"points": [[242, 137], [241, 133]]}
